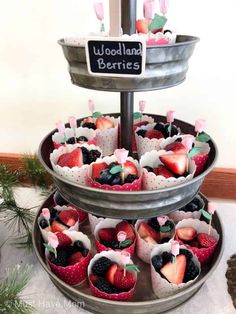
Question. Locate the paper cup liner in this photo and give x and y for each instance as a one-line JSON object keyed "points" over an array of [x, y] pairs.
{"points": [[111, 223], [144, 118], [93, 221], [153, 182], [115, 257], [75, 174], [45, 233], [143, 248], [90, 134], [145, 144], [136, 185], [203, 254], [74, 274], [201, 158], [179, 215], [161, 287]]}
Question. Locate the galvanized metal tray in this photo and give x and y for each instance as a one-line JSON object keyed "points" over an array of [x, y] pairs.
{"points": [[144, 301], [166, 66], [129, 205]]}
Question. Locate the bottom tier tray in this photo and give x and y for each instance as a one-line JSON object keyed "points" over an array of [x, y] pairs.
{"points": [[144, 301]]}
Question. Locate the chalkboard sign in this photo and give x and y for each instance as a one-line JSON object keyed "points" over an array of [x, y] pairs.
{"points": [[116, 57]]}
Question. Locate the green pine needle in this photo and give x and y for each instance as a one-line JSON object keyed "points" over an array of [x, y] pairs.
{"points": [[23, 241], [11, 288], [8, 178]]}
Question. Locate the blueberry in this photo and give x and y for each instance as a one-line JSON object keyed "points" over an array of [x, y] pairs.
{"points": [[160, 127], [131, 178], [157, 262], [84, 252], [149, 169], [85, 153], [53, 213], [93, 155], [105, 177], [43, 223], [79, 245], [117, 180], [71, 140], [82, 139], [141, 132]]}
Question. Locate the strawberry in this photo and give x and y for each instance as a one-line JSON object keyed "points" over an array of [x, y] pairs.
{"points": [[130, 168], [104, 123], [186, 233], [206, 240], [194, 243], [200, 161], [126, 227], [63, 239], [75, 258], [97, 169], [153, 134], [111, 273], [174, 272], [142, 26], [175, 162], [163, 171], [57, 227], [177, 147], [124, 280], [82, 215], [106, 234], [69, 217], [144, 230], [72, 159], [150, 240]]}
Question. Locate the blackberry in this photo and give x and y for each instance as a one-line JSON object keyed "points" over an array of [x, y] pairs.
{"points": [[130, 178], [149, 169], [93, 155], [167, 257], [102, 285], [187, 254], [141, 132], [59, 200], [61, 259], [71, 140], [82, 139], [78, 245], [101, 266], [157, 262], [89, 125], [43, 223], [191, 272], [85, 153], [160, 127], [174, 130], [116, 181], [154, 224]]}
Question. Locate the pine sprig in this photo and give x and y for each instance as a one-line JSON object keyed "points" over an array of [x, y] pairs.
{"points": [[23, 241], [11, 289], [8, 178]]}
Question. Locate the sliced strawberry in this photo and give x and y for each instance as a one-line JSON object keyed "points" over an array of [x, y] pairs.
{"points": [[130, 168], [186, 233], [69, 217], [97, 169], [200, 161], [206, 240], [163, 171], [82, 215], [142, 26], [124, 280], [174, 272], [63, 239], [127, 228], [153, 134], [107, 234], [57, 227], [175, 162], [177, 147], [144, 230], [75, 258], [111, 273], [72, 159], [104, 123]]}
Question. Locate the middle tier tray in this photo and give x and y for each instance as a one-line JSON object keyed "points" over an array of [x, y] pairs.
{"points": [[129, 205]]}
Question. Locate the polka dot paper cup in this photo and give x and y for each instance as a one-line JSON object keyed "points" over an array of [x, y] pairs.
{"points": [[143, 248], [115, 257], [73, 274], [145, 119], [179, 215], [93, 221], [203, 254], [154, 182], [90, 134], [145, 144], [161, 286], [75, 174], [45, 232], [136, 185], [110, 223]]}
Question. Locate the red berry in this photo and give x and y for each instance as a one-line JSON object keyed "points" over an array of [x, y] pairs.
{"points": [[111, 273], [163, 171], [174, 272], [142, 26], [72, 159], [63, 239], [57, 227], [69, 217], [75, 258], [153, 134], [177, 163], [176, 147], [124, 280], [130, 168], [145, 231], [206, 240], [106, 234], [127, 228], [97, 169], [104, 123], [186, 233]]}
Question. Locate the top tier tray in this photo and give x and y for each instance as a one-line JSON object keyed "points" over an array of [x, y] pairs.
{"points": [[166, 66]]}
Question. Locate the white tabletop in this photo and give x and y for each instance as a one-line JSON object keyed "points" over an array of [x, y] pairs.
{"points": [[212, 298]]}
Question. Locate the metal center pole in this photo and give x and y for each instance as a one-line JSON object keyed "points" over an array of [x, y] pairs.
{"points": [[128, 20]]}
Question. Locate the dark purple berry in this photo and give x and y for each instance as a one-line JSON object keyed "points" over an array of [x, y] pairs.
{"points": [[71, 140], [188, 254], [141, 132], [78, 245], [160, 127], [43, 223], [82, 139], [167, 257], [84, 252], [93, 155], [61, 259], [102, 285], [89, 125], [157, 262], [105, 177], [85, 153], [101, 266], [130, 178], [191, 272], [149, 169], [116, 181], [154, 224], [174, 130]]}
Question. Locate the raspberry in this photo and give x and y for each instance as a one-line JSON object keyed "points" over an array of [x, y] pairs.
{"points": [[101, 266]]}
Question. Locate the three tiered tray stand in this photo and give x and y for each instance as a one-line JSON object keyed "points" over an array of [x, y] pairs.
{"points": [[166, 66]]}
